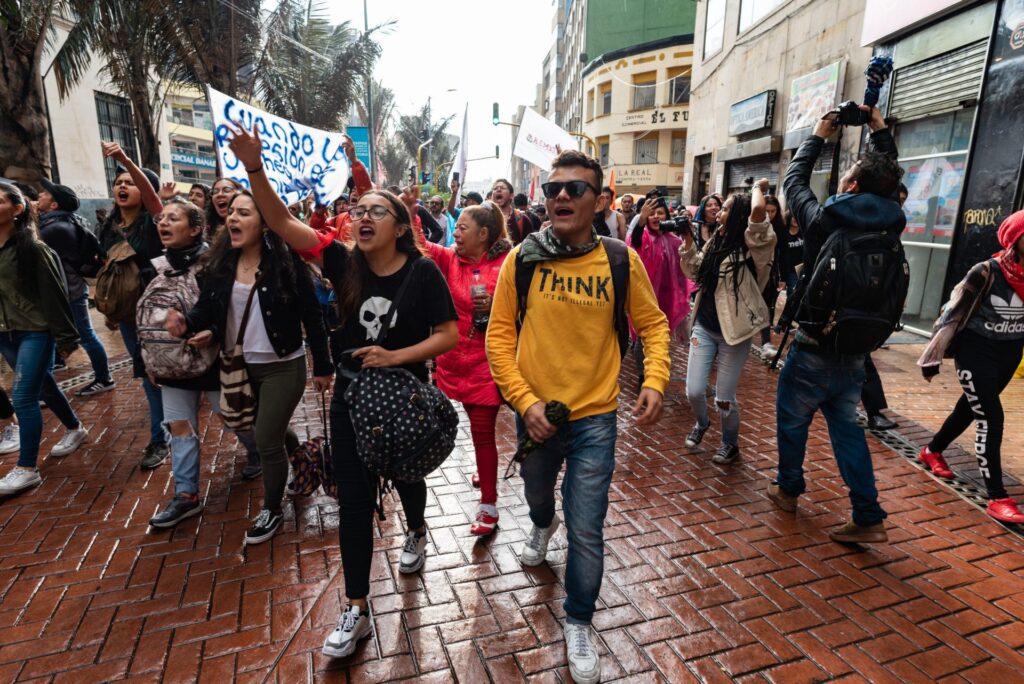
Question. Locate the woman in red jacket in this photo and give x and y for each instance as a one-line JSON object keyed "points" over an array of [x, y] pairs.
{"points": [[481, 245]]}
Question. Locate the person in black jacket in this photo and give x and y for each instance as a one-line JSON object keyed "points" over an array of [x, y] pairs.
{"points": [[815, 377], [66, 234], [248, 258]]}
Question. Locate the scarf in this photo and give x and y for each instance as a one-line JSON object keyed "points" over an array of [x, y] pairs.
{"points": [[1012, 271], [183, 259], [545, 246]]}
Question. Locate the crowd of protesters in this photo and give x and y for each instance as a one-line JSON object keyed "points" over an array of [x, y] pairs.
{"points": [[381, 279]]}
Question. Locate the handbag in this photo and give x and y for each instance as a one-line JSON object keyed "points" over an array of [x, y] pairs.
{"points": [[405, 428], [237, 400], [311, 462]]}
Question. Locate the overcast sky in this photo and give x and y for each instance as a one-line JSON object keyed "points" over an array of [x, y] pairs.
{"points": [[488, 51]]}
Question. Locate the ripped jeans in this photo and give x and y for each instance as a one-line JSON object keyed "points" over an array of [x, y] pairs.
{"points": [[183, 405], [705, 346]]}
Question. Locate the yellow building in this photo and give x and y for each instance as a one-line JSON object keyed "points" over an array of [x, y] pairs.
{"points": [[190, 126], [636, 108]]}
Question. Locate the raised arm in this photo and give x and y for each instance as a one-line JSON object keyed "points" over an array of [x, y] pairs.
{"points": [[757, 201], [150, 200], [249, 149], [454, 198]]}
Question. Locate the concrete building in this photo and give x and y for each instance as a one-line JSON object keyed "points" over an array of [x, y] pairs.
{"points": [[190, 124], [636, 108]]}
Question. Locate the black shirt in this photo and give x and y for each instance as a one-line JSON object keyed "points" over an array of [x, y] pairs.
{"points": [[792, 253], [427, 302]]}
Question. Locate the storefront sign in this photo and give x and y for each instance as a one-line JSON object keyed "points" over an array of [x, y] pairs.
{"points": [[204, 161], [662, 117], [749, 148], [361, 140], [812, 95], [640, 174], [752, 114]]}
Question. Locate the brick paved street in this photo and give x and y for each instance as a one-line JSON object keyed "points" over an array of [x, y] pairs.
{"points": [[705, 579]]}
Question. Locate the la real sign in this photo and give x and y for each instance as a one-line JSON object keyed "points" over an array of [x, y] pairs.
{"points": [[297, 159]]}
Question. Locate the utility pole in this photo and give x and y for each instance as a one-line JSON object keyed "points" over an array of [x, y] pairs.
{"points": [[371, 126]]}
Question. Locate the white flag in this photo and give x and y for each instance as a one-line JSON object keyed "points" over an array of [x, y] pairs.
{"points": [[538, 138], [297, 159], [462, 155]]}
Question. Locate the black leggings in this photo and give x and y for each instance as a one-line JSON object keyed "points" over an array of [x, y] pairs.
{"points": [[984, 368], [357, 497], [6, 408]]}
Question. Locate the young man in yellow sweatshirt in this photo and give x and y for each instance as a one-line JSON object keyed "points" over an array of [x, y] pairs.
{"points": [[568, 351]]}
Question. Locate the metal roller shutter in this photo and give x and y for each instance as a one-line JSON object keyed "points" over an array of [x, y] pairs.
{"points": [[766, 166], [940, 84]]}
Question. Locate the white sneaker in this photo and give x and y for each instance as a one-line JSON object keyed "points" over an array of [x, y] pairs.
{"points": [[414, 553], [71, 441], [10, 440], [353, 625], [535, 548], [581, 649], [768, 350], [19, 479]]}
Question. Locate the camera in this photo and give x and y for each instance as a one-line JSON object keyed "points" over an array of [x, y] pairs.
{"points": [[677, 226], [850, 114]]}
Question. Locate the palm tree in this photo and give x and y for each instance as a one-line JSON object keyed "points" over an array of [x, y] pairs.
{"points": [[393, 159], [383, 111], [413, 130]]}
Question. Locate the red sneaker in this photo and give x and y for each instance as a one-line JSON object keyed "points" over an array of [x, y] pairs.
{"points": [[1005, 510], [935, 463], [484, 525], [475, 481]]}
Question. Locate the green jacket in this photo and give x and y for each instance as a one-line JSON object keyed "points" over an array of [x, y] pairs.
{"points": [[40, 305]]}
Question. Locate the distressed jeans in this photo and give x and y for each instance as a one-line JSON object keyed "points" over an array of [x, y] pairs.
{"points": [[587, 447], [705, 347]]}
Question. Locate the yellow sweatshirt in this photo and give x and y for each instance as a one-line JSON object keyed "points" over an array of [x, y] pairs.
{"points": [[568, 350]]}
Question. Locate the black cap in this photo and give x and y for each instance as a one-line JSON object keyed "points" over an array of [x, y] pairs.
{"points": [[151, 176], [475, 196], [64, 196]]}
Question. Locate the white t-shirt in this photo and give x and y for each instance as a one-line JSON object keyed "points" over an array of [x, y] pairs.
{"points": [[257, 347]]}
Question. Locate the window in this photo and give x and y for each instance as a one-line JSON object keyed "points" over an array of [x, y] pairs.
{"points": [[643, 90], [115, 119], [754, 10], [201, 117], [181, 115], [714, 27], [645, 151], [606, 99], [602, 150], [678, 148], [678, 86], [590, 104]]}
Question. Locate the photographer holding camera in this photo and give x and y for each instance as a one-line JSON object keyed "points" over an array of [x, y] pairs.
{"points": [[848, 301], [657, 242]]}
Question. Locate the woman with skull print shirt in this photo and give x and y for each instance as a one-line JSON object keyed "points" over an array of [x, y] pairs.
{"points": [[366, 278]]}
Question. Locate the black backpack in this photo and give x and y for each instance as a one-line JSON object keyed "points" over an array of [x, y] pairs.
{"points": [[618, 259], [853, 298]]}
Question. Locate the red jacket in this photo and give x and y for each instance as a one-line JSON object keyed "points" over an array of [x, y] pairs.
{"points": [[463, 373]]}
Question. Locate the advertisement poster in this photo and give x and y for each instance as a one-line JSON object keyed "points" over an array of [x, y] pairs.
{"points": [[811, 96], [935, 187]]}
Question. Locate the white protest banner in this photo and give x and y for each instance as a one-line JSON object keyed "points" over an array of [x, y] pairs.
{"points": [[462, 154], [297, 159], [538, 139]]}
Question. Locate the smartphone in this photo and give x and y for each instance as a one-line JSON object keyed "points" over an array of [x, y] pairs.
{"points": [[455, 176]]}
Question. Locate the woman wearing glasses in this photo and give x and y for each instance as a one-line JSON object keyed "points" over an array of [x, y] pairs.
{"points": [[366, 278]]}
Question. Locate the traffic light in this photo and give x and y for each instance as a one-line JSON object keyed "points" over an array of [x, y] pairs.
{"points": [[495, 119], [424, 177], [497, 152]]}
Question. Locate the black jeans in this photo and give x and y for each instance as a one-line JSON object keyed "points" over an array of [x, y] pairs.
{"points": [[357, 497], [984, 368], [6, 408]]}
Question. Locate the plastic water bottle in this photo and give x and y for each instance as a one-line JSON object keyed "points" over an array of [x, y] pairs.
{"points": [[477, 289]]}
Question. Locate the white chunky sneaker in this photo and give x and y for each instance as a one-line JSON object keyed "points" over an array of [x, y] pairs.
{"points": [[353, 625], [19, 479], [581, 650], [10, 439], [535, 548], [414, 553], [69, 442]]}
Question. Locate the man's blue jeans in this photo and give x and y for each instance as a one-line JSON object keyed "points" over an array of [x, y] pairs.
{"points": [[130, 335], [89, 341], [30, 354], [587, 447], [831, 382]]}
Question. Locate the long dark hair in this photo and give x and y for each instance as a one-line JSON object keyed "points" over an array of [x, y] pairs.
{"points": [[731, 240], [25, 237], [221, 260], [779, 224], [358, 272], [113, 220], [213, 219], [699, 217]]}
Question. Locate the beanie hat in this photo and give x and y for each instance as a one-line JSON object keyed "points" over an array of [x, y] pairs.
{"points": [[1011, 230]]}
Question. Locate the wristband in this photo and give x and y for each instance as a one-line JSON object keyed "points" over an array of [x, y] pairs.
{"points": [[256, 170]]}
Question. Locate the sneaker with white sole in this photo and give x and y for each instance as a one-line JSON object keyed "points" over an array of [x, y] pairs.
{"points": [[535, 548], [696, 435], [581, 650], [414, 552], [10, 439], [95, 387], [353, 625], [264, 527], [19, 479], [768, 350], [486, 521], [71, 440]]}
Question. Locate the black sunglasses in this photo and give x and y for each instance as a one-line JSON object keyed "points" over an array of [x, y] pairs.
{"points": [[574, 189]]}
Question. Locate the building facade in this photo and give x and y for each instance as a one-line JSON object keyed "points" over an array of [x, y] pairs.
{"points": [[636, 109], [190, 126]]}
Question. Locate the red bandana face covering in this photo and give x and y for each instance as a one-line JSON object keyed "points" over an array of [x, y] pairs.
{"points": [[1012, 271]]}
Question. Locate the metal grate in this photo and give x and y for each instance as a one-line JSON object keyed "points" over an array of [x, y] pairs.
{"points": [[939, 85]]}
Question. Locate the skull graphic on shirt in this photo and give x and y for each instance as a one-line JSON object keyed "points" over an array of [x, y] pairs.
{"points": [[372, 314]]}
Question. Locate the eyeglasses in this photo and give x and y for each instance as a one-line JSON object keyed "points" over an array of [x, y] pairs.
{"points": [[376, 212], [574, 189], [224, 191]]}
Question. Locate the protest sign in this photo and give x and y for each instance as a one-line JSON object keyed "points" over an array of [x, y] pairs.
{"points": [[297, 159], [538, 139]]}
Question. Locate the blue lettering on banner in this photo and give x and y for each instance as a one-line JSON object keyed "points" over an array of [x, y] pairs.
{"points": [[297, 159]]}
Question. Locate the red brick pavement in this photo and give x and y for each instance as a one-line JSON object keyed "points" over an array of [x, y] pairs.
{"points": [[705, 579]]}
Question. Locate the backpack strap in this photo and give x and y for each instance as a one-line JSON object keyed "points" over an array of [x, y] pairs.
{"points": [[386, 325], [618, 259], [523, 278]]}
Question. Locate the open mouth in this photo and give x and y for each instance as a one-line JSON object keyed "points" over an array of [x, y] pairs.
{"points": [[366, 233], [122, 196], [166, 235], [564, 211], [235, 233]]}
